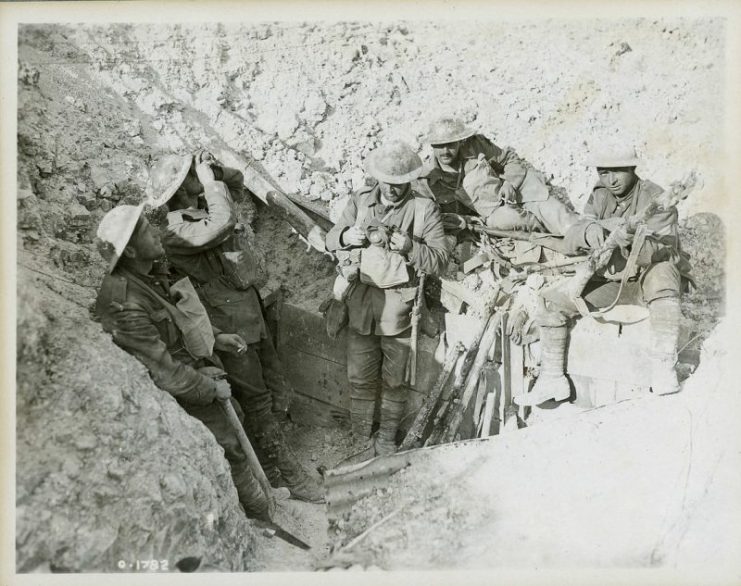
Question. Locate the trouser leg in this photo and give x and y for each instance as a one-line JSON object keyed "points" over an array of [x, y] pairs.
{"points": [[395, 350], [280, 389], [250, 492], [553, 214], [278, 460], [244, 373], [661, 286], [364, 360], [508, 217]]}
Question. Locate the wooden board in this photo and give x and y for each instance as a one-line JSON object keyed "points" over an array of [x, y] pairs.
{"points": [[316, 366]]}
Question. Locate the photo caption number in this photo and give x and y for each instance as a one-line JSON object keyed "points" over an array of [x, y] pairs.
{"points": [[144, 565]]}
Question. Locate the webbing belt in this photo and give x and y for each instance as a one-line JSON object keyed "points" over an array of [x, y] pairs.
{"points": [[638, 240]]}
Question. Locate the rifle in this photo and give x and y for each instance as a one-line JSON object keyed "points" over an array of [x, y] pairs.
{"points": [[474, 225], [411, 367], [598, 260]]}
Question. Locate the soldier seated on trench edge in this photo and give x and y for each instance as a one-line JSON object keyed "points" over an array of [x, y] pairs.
{"points": [[470, 174]]}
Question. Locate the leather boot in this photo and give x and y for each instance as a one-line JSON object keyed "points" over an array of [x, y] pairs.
{"points": [[392, 408], [277, 453], [664, 315], [552, 382]]}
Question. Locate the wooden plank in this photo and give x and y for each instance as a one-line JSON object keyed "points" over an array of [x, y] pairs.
{"points": [[517, 360], [316, 365], [488, 414]]}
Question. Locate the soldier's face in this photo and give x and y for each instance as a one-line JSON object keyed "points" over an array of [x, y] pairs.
{"points": [[447, 153], [146, 242], [392, 191], [618, 180]]}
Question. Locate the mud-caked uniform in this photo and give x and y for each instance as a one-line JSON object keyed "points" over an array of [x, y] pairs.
{"points": [[380, 318], [473, 185], [134, 309]]}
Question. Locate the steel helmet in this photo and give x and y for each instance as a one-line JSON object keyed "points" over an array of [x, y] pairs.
{"points": [[165, 176], [615, 158], [115, 231], [446, 130], [394, 162]]}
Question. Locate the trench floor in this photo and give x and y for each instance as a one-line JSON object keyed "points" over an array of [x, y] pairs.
{"points": [[315, 447]]}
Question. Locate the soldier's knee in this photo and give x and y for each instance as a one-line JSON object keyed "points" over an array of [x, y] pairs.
{"points": [[661, 280]]}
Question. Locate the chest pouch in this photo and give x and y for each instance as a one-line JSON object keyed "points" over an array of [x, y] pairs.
{"points": [[192, 320], [382, 268]]}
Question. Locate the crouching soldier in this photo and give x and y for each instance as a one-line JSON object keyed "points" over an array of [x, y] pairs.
{"points": [[164, 330], [399, 234], [202, 242], [471, 174], [648, 270]]}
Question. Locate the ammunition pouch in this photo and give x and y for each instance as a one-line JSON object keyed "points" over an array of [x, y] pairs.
{"points": [[348, 263]]}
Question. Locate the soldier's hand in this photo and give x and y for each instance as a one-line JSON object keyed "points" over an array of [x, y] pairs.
{"points": [[595, 236], [354, 236], [611, 224], [452, 222], [400, 242], [623, 238], [204, 171], [223, 390], [230, 343], [204, 156], [508, 193]]}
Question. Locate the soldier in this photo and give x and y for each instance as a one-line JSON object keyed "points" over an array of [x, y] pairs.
{"points": [[660, 273], [136, 305], [469, 173], [201, 242], [399, 233]]}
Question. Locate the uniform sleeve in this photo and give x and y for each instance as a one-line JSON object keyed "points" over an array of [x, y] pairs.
{"points": [[663, 241], [575, 238], [431, 255], [506, 162], [333, 240], [134, 331], [186, 237], [233, 178]]}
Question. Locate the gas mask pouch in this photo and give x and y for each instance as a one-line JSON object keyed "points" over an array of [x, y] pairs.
{"points": [[192, 320], [382, 268]]}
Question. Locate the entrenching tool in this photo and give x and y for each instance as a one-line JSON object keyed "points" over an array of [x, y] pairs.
{"points": [[271, 493]]}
